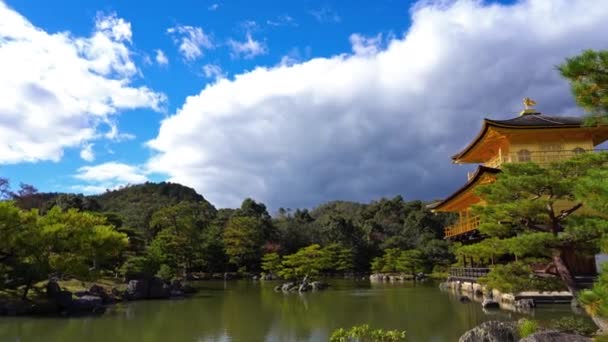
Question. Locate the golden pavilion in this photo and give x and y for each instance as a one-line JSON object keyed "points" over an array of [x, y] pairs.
{"points": [[530, 137]]}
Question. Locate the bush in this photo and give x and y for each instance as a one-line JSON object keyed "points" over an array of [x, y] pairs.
{"points": [[526, 327], [573, 325], [165, 273], [516, 277], [363, 333]]}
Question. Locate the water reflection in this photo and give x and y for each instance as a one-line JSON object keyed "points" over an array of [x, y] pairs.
{"points": [[248, 311]]}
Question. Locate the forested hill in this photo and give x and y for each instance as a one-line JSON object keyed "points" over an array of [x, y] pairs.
{"points": [[173, 230], [135, 204]]}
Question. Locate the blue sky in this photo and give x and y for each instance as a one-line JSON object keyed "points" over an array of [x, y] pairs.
{"points": [[291, 103]]}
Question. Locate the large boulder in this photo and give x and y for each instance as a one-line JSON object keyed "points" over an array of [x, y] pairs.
{"points": [[286, 287], [137, 289], [492, 331], [490, 304], [555, 336], [52, 288], [63, 299], [158, 289], [319, 285], [86, 305]]}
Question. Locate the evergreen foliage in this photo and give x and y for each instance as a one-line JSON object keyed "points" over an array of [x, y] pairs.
{"points": [[528, 213], [588, 76]]}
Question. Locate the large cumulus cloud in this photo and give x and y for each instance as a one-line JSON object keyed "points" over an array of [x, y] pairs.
{"points": [[382, 120], [58, 89]]}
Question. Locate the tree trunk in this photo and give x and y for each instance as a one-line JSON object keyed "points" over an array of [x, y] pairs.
{"points": [[564, 273]]}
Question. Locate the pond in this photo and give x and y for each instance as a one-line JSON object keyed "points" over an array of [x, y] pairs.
{"points": [[251, 311]]}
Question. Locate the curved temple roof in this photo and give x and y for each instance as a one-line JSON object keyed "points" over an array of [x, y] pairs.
{"points": [[481, 170], [527, 121]]}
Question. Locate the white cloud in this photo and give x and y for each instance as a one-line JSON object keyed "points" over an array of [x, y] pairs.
{"points": [[326, 15], [161, 58], [365, 46], [58, 89], [248, 48], [86, 153], [192, 41], [282, 20], [110, 175], [213, 7], [213, 71], [361, 126]]}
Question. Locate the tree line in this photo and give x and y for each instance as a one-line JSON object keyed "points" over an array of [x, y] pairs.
{"points": [[170, 231]]}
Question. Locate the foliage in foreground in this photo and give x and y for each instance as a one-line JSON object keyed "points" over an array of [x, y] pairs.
{"points": [[528, 213], [573, 325], [517, 276], [588, 76], [363, 333], [526, 327]]}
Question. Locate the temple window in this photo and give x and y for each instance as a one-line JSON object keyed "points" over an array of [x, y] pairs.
{"points": [[523, 156], [578, 150]]}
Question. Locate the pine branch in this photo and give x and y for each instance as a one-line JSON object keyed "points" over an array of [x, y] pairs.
{"points": [[566, 213]]}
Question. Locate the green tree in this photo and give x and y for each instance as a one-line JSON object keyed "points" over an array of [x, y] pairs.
{"points": [[307, 262], [337, 258], [410, 261], [588, 76], [271, 263], [243, 239], [530, 208], [179, 243], [67, 243]]}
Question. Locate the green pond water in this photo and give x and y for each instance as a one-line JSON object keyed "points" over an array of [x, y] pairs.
{"points": [[251, 311]]}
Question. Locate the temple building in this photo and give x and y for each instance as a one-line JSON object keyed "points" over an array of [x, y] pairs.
{"points": [[530, 137]]}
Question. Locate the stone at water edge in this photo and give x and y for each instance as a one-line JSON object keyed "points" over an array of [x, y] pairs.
{"points": [[137, 289], [490, 304], [286, 287], [86, 305], [158, 289], [319, 285], [525, 303], [554, 336], [464, 299], [52, 288], [492, 331]]}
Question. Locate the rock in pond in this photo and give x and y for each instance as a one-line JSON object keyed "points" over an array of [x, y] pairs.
{"points": [[525, 303], [86, 305], [158, 289], [464, 299], [319, 285], [555, 336], [137, 289], [491, 331], [490, 304], [52, 288]]}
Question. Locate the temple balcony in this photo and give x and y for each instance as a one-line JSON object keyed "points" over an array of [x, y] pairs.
{"points": [[464, 225], [542, 158]]}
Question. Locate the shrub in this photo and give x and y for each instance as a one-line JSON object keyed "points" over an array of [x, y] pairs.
{"points": [[526, 327], [363, 333], [573, 325], [516, 277]]}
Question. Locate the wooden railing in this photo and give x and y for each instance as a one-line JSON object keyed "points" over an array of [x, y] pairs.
{"points": [[468, 273], [542, 158], [463, 226]]}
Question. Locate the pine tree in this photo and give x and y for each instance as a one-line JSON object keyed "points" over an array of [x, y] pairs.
{"points": [[588, 76]]}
